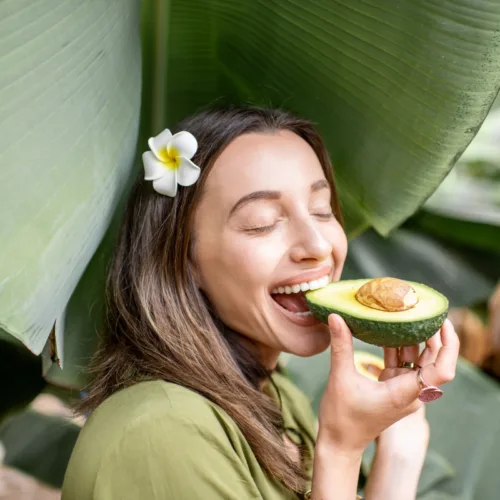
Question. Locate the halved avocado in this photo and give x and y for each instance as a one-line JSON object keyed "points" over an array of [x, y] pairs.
{"points": [[418, 319], [368, 364]]}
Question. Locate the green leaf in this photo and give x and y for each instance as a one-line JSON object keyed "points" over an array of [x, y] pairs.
{"points": [[470, 234], [39, 445], [398, 89], [83, 319], [69, 107]]}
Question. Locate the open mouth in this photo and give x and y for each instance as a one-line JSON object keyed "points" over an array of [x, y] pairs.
{"points": [[292, 299]]}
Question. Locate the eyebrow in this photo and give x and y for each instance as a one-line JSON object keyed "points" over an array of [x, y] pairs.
{"points": [[319, 185], [256, 195], [272, 195]]}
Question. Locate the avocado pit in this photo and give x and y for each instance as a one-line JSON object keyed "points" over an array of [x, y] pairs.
{"points": [[387, 294]]}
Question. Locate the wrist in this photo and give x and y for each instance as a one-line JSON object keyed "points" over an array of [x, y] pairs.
{"points": [[335, 471], [327, 452], [327, 446]]}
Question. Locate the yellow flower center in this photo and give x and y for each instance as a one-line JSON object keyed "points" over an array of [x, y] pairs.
{"points": [[170, 157]]}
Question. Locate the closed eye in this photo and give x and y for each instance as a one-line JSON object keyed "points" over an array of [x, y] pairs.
{"points": [[325, 215], [260, 229]]}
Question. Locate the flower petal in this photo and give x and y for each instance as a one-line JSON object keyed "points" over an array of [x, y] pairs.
{"points": [[159, 142], [153, 168], [182, 144], [188, 172], [167, 185]]}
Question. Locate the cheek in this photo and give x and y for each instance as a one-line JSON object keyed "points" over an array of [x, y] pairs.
{"points": [[250, 262], [339, 249], [234, 265]]}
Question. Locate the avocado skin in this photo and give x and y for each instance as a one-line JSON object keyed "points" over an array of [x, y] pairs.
{"points": [[383, 333]]}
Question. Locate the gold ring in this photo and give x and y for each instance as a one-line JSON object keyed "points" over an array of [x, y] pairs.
{"points": [[407, 364]]}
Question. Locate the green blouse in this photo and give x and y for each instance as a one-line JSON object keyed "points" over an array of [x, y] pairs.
{"points": [[160, 441]]}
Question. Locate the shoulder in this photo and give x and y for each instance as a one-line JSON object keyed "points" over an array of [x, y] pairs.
{"points": [[146, 404], [158, 440]]}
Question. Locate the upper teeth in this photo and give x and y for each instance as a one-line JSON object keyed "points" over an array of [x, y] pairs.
{"points": [[302, 287]]}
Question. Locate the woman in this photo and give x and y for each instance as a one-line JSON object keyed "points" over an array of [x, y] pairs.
{"points": [[190, 400]]}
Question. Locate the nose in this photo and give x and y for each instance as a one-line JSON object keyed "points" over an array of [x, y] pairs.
{"points": [[310, 243]]}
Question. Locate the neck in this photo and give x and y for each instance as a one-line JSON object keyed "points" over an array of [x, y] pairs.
{"points": [[267, 356], [255, 362]]}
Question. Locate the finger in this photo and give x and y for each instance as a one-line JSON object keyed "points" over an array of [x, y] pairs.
{"points": [[443, 369], [403, 390], [432, 347], [390, 357], [409, 354], [342, 354]]}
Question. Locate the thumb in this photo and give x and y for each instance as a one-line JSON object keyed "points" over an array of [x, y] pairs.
{"points": [[342, 355], [404, 389]]}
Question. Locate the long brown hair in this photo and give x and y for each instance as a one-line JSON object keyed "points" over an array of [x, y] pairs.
{"points": [[159, 324]]}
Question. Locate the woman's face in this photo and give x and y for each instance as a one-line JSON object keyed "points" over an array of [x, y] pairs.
{"points": [[265, 225]]}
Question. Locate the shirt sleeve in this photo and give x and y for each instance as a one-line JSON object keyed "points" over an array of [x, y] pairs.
{"points": [[165, 460]]}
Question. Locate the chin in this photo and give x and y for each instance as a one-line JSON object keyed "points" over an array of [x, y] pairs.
{"points": [[308, 344]]}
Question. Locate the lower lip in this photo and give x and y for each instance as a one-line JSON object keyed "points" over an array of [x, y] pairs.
{"points": [[298, 320]]}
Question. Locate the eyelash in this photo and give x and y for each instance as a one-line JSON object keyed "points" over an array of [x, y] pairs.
{"points": [[266, 229], [326, 216], [261, 229]]}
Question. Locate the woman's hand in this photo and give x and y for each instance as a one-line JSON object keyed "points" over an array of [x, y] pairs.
{"points": [[401, 448], [355, 410]]}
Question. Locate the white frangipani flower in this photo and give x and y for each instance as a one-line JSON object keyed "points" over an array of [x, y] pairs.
{"points": [[169, 162]]}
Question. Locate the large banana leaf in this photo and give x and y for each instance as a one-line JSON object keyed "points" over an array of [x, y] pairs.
{"points": [[398, 89], [70, 80], [83, 319]]}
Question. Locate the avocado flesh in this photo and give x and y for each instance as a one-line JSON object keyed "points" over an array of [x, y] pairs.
{"points": [[368, 364], [381, 328]]}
